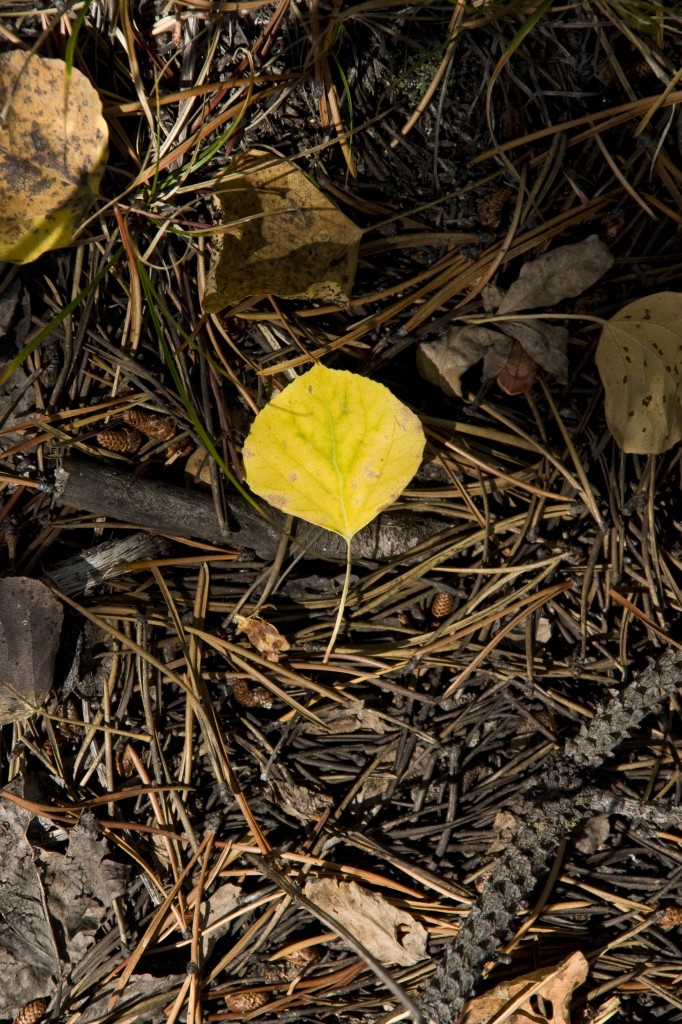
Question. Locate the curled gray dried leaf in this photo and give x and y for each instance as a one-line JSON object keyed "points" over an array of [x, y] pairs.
{"points": [[559, 274], [445, 361], [30, 624]]}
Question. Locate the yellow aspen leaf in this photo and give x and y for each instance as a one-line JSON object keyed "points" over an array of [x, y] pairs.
{"points": [[292, 241], [333, 448], [639, 357], [53, 150]]}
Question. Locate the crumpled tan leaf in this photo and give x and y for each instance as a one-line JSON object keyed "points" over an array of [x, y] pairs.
{"points": [[293, 242], [559, 274], [53, 150], [391, 935], [28, 948], [52, 902], [445, 361], [639, 358], [564, 272], [555, 985]]}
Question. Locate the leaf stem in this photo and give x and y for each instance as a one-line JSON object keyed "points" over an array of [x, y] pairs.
{"points": [[342, 603]]}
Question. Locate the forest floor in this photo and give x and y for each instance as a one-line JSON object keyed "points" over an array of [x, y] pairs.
{"points": [[187, 792]]}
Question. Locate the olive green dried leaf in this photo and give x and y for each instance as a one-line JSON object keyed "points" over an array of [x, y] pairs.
{"points": [[287, 238]]}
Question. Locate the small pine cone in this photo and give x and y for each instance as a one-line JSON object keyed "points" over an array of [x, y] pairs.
{"points": [[671, 917], [31, 1012], [638, 70], [153, 424], [251, 695], [125, 441], [491, 208], [605, 73], [244, 1002], [442, 605]]}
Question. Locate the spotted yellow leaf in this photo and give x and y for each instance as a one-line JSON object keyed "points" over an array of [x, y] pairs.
{"points": [[53, 149], [333, 448], [639, 358]]}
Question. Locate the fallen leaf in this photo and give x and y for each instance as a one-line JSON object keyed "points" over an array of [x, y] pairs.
{"points": [[445, 361], [333, 448], [267, 640], [293, 242], [559, 274], [639, 358], [564, 272], [214, 910], [30, 623], [556, 986], [301, 802], [391, 935], [28, 950], [53, 150], [81, 885], [593, 833], [52, 902], [145, 991]]}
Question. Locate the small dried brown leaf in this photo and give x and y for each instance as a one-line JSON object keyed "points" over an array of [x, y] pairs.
{"points": [[560, 274], [267, 640], [556, 987], [520, 372], [391, 935], [445, 361]]}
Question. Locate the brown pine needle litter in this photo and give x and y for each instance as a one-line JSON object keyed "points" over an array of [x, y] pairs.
{"points": [[204, 819]]}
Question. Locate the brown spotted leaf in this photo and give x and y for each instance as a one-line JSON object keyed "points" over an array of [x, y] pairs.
{"points": [[53, 149], [639, 357]]}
